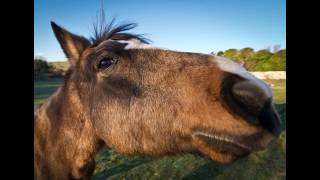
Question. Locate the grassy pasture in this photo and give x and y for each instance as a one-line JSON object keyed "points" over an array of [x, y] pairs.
{"points": [[44, 88], [266, 164]]}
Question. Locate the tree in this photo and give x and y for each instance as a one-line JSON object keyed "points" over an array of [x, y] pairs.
{"points": [[40, 65], [220, 53], [258, 61], [246, 53], [262, 55], [278, 61], [231, 54]]}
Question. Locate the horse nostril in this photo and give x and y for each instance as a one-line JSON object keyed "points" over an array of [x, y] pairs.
{"points": [[252, 100], [269, 118]]}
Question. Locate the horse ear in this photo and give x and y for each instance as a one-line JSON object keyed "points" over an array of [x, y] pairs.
{"points": [[72, 45]]}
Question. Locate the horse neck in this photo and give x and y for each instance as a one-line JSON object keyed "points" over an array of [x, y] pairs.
{"points": [[65, 141]]}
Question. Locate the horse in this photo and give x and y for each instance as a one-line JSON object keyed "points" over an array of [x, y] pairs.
{"points": [[126, 94]]}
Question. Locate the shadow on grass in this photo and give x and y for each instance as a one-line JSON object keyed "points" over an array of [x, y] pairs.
{"points": [[124, 167], [282, 112], [207, 171]]}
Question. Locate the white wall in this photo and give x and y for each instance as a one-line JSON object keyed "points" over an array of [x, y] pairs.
{"points": [[270, 74]]}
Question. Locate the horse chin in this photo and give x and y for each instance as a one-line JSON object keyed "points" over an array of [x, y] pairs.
{"points": [[219, 149], [223, 157]]}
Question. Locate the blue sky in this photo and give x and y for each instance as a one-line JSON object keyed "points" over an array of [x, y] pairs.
{"points": [[185, 25]]}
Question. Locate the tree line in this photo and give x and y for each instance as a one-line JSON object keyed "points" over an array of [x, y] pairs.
{"points": [[42, 69], [261, 60]]}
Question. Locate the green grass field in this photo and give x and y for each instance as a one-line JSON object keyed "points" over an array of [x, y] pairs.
{"points": [[44, 88], [265, 165]]}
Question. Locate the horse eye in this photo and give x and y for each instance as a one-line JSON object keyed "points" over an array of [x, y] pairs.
{"points": [[105, 62]]}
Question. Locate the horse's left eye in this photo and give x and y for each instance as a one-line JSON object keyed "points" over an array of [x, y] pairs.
{"points": [[105, 62]]}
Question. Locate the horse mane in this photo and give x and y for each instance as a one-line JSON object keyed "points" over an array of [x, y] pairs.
{"points": [[110, 31]]}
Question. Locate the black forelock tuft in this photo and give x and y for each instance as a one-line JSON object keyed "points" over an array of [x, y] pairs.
{"points": [[106, 31]]}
